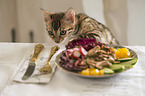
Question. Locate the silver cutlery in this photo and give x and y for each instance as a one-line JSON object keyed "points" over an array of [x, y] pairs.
{"points": [[47, 68], [33, 60]]}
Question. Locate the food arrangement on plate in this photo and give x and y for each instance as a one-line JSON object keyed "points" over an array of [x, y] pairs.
{"points": [[88, 58]]}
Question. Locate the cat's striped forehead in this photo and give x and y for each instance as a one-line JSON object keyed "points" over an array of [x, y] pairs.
{"points": [[56, 20]]}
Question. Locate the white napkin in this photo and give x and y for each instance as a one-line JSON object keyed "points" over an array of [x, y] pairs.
{"points": [[128, 83], [36, 77]]}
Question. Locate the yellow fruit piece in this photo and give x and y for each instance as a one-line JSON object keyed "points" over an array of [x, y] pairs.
{"points": [[116, 53], [115, 50], [101, 72], [122, 53], [85, 72], [94, 71]]}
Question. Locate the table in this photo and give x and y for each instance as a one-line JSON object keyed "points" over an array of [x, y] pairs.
{"points": [[129, 83]]}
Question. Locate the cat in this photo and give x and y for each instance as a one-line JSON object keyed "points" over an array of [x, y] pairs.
{"points": [[67, 24]]}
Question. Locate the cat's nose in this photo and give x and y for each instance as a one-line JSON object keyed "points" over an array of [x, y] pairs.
{"points": [[56, 41]]}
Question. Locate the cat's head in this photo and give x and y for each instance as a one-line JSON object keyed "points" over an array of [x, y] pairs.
{"points": [[59, 25]]}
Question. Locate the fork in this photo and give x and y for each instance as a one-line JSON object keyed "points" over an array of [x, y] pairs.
{"points": [[47, 68]]}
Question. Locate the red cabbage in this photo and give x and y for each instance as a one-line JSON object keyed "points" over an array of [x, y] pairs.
{"points": [[86, 43], [81, 41]]}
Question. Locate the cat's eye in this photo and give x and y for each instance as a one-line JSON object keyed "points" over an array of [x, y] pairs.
{"points": [[50, 32], [63, 32]]}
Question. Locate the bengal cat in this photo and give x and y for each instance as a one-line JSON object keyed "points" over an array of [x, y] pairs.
{"points": [[68, 24]]}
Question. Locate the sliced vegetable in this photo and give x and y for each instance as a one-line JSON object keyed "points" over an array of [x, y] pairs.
{"points": [[128, 66], [86, 43], [76, 54], [70, 50], [131, 62], [78, 42], [125, 59], [108, 71], [117, 67], [76, 48], [83, 51]]}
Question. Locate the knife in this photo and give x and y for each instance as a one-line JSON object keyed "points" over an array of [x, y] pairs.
{"points": [[32, 63]]}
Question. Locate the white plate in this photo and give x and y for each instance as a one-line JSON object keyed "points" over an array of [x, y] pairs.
{"points": [[133, 55]]}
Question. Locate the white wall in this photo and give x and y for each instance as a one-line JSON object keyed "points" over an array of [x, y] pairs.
{"points": [[29, 19], [136, 23], [94, 8], [24, 16], [128, 30], [7, 19]]}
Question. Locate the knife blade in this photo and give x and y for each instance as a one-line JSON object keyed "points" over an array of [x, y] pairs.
{"points": [[32, 63]]}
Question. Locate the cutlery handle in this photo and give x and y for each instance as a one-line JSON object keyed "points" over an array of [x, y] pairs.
{"points": [[53, 51], [37, 50]]}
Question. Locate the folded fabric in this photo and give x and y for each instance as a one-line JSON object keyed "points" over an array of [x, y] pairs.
{"points": [[36, 77]]}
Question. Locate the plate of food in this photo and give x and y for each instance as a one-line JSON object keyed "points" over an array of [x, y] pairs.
{"points": [[88, 58]]}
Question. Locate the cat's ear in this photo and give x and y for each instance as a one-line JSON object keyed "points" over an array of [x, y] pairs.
{"points": [[70, 16], [46, 15]]}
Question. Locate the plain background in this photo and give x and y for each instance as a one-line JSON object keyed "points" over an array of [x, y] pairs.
{"points": [[126, 18]]}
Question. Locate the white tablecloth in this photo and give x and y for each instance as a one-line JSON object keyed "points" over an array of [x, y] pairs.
{"points": [[129, 83]]}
